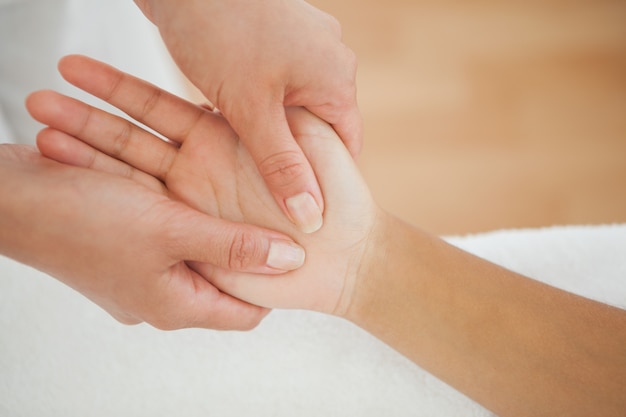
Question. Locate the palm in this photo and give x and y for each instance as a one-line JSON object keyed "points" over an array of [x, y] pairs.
{"points": [[76, 238], [212, 173], [218, 176]]}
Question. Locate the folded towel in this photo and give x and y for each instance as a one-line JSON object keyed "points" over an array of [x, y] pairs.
{"points": [[60, 355]]}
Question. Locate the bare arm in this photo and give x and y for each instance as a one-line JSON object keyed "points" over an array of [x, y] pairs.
{"points": [[517, 346]]}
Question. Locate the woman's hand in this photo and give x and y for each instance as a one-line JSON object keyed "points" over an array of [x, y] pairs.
{"points": [[251, 59], [208, 167], [120, 243]]}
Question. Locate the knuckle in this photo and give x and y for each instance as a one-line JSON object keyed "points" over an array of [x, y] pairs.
{"points": [[347, 65], [92, 160], [282, 169], [346, 98], [342, 102], [112, 89], [334, 24], [150, 103], [121, 141], [351, 61], [126, 171], [165, 164], [244, 251], [85, 122]]}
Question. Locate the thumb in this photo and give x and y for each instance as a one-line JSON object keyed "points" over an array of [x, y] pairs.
{"points": [[281, 162], [193, 236], [207, 307]]}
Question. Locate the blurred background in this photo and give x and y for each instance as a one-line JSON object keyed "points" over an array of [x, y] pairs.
{"points": [[484, 115]]}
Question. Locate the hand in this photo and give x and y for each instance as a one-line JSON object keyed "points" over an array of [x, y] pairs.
{"points": [[207, 167], [503, 339], [120, 243], [253, 58]]}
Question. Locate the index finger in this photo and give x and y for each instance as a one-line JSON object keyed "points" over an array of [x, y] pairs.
{"points": [[167, 114]]}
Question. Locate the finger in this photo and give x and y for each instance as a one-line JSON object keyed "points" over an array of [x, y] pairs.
{"points": [[281, 163], [217, 310], [266, 290], [103, 131], [167, 114], [345, 118], [349, 127], [66, 149], [348, 124], [194, 236], [197, 303]]}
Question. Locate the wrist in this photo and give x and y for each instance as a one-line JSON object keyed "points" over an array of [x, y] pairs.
{"points": [[374, 268], [395, 276]]}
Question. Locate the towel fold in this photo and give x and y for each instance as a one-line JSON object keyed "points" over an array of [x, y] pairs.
{"points": [[60, 355]]}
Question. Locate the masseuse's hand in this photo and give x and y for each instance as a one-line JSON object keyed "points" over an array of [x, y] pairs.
{"points": [[253, 58], [216, 176], [124, 244]]}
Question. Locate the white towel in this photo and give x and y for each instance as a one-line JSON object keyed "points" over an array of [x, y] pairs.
{"points": [[60, 355]]}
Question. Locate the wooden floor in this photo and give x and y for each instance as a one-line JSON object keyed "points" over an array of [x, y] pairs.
{"points": [[483, 115]]}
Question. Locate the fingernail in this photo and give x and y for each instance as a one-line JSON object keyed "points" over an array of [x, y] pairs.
{"points": [[285, 255], [305, 212]]}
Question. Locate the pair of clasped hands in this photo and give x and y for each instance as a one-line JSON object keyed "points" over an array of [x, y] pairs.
{"points": [[203, 242], [202, 227]]}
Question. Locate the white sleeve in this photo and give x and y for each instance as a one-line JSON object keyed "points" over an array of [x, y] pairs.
{"points": [[35, 34], [6, 136]]}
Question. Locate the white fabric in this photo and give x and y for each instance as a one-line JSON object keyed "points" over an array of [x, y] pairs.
{"points": [[60, 355], [35, 34], [6, 135]]}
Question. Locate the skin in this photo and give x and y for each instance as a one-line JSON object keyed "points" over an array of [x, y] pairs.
{"points": [[226, 182], [119, 243], [517, 346], [251, 59]]}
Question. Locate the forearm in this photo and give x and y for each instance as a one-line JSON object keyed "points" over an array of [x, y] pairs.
{"points": [[515, 345]]}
